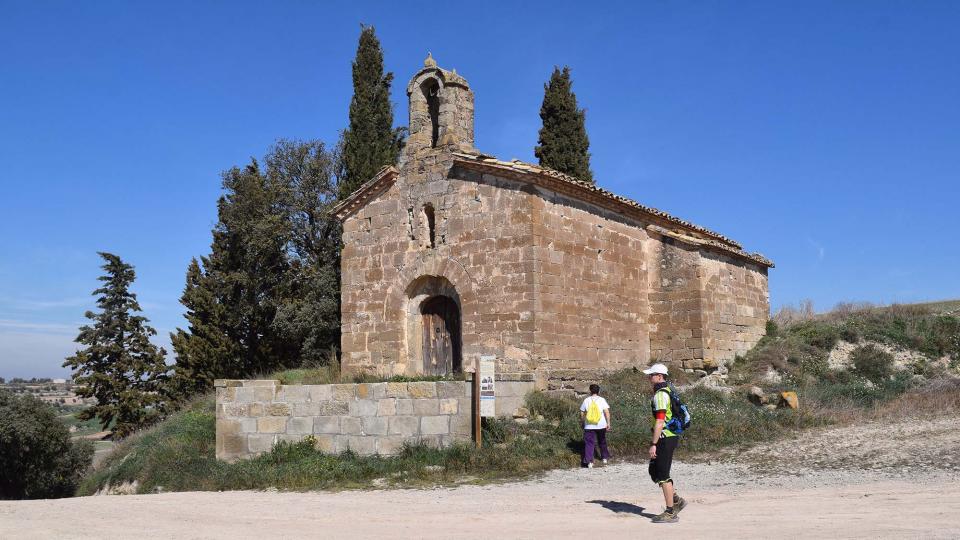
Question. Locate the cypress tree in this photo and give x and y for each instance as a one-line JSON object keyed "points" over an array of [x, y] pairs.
{"points": [[563, 144], [119, 366], [371, 142]]}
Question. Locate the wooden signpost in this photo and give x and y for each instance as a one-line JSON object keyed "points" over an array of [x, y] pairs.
{"points": [[484, 394]]}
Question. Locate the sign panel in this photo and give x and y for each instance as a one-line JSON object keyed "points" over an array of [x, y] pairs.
{"points": [[488, 392]]}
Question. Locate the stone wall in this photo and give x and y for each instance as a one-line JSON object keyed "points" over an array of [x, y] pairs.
{"points": [[370, 418]]}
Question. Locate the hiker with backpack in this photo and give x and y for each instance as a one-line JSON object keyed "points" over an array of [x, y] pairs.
{"points": [[595, 413], [670, 418]]}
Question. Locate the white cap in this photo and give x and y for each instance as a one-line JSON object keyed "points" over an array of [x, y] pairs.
{"points": [[656, 368]]}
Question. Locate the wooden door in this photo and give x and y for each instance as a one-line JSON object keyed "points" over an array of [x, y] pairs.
{"points": [[441, 329]]}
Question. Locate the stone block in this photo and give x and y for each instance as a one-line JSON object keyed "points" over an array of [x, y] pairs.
{"points": [[407, 426], [226, 394], [228, 427], [426, 407], [300, 425], [397, 390], [255, 410], [434, 425], [351, 426], [362, 407], [449, 406], [326, 425], [364, 446], [451, 389], [374, 425], [306, 409], [271, 424], [244, 395], [422, 389], [404, 406], [329, 444], [248, 425], [261, 383], [461, 426], [278, 409], [387, 407], [235, 410], [264, 393], [390, 445], [257, 444], [319, 392], [293, 394], [433, 441], [343, 392], [371, 390], [334, 408], [231, 446]]}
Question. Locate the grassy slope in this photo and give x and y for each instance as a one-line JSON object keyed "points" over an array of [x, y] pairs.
{"points": [[178, 454]]}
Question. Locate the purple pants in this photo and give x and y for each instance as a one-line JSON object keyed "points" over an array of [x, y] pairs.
{"points": [[592, 438]]}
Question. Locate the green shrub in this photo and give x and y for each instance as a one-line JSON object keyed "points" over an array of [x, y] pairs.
{"points": [[817, 333], [873, 363], [37, 458], [772, 328]]}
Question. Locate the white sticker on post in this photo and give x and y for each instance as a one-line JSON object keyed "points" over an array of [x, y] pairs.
{"points": [[488, 392]]}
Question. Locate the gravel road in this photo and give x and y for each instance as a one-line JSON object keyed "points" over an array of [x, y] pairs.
{"points": [[867, 491]]}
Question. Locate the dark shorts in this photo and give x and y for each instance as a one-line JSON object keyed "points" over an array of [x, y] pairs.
{"points": [[660, 467]]}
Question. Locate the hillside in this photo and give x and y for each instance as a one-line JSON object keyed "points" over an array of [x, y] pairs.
{"points": [[848, 367]]}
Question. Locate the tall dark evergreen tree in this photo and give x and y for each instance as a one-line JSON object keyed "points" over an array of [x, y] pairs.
{"points": [[118, 365], [268, 294], [370, 142], [563, 143]]}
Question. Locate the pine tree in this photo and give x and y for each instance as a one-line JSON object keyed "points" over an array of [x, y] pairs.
{"points": [[119, 366], [371, 142], [204, 352], [563, 144]]}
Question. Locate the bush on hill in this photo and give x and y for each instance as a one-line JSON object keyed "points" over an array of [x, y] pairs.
{"points": [[37, 458]]}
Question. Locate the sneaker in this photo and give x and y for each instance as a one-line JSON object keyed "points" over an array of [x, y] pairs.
{"points": [[679, 503], [666, 517], [590, 465], [606, 461]]}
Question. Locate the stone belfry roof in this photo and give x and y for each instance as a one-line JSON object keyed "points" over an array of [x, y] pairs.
{"points": [[464, 155]]}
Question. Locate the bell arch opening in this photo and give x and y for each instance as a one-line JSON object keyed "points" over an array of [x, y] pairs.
{"points": [[433, 327], [431, 92]]}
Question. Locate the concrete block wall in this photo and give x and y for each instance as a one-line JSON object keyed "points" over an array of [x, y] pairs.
{"points": [[367, 418]]}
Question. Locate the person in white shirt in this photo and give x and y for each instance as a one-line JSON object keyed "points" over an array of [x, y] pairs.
{"points": [[595, 434]]}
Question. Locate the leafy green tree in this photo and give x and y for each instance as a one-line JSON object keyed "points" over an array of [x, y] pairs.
{"points": [[118, 365], [371, 142], [37, 458], [309, 314], [563, 144]]}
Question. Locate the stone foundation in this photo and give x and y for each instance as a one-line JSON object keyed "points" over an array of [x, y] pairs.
{"points": [[369, 418]]}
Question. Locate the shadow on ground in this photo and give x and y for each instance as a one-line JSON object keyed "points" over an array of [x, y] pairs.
{"points": [[623, 508]]}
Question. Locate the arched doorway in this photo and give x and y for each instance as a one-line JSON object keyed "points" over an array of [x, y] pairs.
{"points": [[441, 336]]}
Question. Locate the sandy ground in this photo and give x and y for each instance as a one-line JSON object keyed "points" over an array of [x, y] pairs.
{"points": [[874, 481]]}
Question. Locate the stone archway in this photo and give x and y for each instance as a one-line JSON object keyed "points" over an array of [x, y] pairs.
{"points": [[432, 327]]}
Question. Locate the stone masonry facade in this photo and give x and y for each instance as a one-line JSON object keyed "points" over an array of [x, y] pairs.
{"points": [[367, 418], [556, 278]]}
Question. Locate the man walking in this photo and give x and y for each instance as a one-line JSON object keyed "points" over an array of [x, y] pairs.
{"points": [[663, 443]]}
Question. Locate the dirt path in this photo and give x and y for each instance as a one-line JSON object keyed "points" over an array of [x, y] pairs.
{"points": [[870, 481]]}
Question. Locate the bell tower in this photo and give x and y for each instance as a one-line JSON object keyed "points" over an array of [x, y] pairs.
{"points": [[441, 110]]}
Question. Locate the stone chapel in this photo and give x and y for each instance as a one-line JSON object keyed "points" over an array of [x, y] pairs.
{"points": [[454, 254]]}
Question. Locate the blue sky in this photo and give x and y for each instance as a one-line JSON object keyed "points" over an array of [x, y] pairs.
{"points": [[825, 135]]}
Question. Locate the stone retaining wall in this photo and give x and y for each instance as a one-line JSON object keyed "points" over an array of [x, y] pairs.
{"points": [[369, 418]]}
